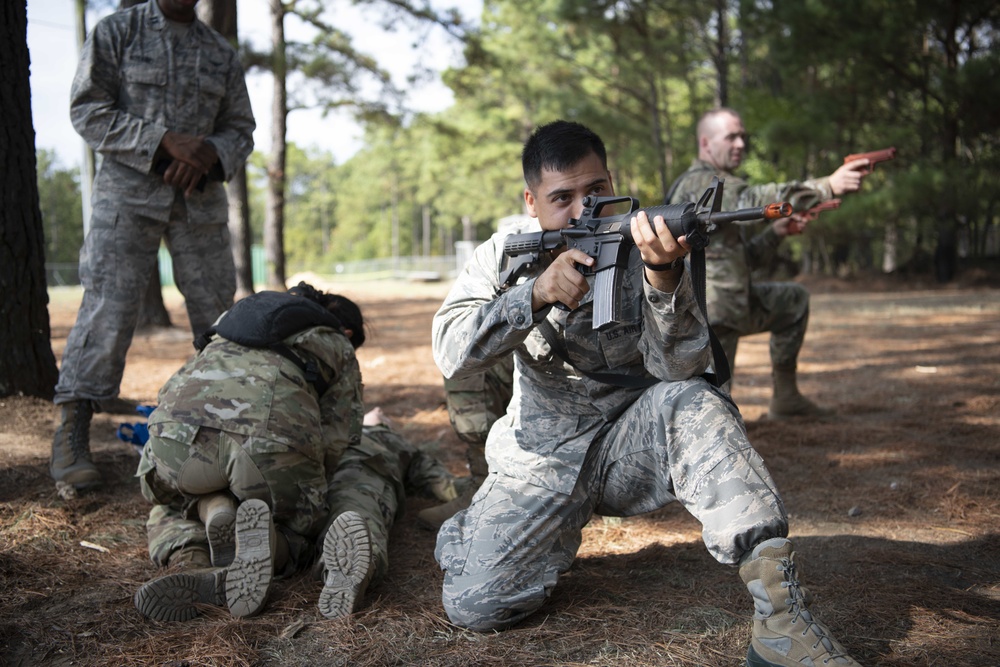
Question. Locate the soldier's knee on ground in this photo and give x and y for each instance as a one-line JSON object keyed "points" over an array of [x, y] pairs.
{"points": [[493, 601]]}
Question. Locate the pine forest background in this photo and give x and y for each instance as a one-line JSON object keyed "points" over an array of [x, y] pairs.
{"points": [[815, 80]]}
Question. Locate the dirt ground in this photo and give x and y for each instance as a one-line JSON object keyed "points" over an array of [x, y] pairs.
{"points": [[894, 507]]}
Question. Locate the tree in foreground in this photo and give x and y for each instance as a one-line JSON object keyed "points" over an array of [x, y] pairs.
{"points": [[27, 365]]}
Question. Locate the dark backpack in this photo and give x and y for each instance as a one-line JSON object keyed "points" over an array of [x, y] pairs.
{"points": [[263, 320]]}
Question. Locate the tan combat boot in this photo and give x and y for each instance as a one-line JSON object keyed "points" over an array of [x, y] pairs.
{"points": [[348, 565], [70, 462], [248, 580], [175, 597], [433, 517], [787, 402], [785, 633], [218, 512]]}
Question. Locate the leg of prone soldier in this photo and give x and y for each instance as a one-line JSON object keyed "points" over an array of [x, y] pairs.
{"points": [[280, 509]]}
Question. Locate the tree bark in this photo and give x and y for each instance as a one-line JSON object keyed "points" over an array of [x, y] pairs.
{"points": [[274, 222], [27, 364]]}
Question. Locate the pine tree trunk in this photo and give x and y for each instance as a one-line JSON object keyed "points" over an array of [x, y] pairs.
{"points": [[274, 222], [27, 364]]}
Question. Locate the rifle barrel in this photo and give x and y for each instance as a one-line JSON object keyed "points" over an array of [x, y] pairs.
{"points": [[769, 212]]}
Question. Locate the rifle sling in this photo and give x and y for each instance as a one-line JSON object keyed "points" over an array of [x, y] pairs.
{"points": [[719, 361]]}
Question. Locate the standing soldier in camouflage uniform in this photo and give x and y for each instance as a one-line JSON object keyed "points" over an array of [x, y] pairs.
{"points": [[255, 463], [616, 422], [736, 305], [162, 97]]}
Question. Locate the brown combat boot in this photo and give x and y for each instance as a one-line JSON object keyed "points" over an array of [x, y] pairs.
{"points": [[218, 512], [785, 633], [70, 462], [787, 402], [176, 596], [348, 565], [248, 580], [432, 517]]}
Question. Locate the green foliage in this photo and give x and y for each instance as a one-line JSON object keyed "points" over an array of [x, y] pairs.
{"points": [[62, 209], [814, 81]]}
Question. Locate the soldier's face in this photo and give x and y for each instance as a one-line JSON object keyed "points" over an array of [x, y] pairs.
{"points": [[559, 195], [181, 11], [723, 147]]}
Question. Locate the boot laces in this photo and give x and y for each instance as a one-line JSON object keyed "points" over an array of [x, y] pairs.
{"points": [[797, 606]]}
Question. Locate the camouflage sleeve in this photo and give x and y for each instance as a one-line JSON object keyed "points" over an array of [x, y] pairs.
{"points": [[801, 195], [232, 135], [341, 407], [94, 110], [674, 343], [477, 324]]}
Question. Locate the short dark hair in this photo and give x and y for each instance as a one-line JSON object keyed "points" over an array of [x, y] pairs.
{"points": [[557, 146], [343, 308]]}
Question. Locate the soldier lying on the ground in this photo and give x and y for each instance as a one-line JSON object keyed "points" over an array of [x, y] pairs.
{"points": [[260, 462]]}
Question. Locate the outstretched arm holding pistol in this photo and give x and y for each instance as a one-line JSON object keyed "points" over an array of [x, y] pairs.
{"points": [[846, 179]]}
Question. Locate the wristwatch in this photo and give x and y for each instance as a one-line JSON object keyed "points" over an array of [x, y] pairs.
{"points": [[669, 266]]}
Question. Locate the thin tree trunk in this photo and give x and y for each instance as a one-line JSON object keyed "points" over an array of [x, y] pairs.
{"points": [[274, 223], [27, 364], [722, 55]]}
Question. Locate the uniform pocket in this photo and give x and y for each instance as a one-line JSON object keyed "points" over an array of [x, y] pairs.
{"points": [[99, 255]]}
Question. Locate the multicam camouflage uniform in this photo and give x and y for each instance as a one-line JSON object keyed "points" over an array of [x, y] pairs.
{"points": [[138, 77], [571, 445], [244, 420], [737, 306]]}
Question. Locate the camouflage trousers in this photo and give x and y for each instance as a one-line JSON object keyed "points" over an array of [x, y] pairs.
{"points": [[782, 309], [116, 262], [369, 479], [679, 441]]}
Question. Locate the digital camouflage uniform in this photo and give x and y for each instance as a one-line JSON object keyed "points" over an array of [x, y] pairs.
{"points": [[738, 306], [570, 445], [138, 77], [251, 417]]}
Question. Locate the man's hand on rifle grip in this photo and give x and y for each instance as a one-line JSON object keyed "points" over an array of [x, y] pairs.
{"points": [[562, 282]]}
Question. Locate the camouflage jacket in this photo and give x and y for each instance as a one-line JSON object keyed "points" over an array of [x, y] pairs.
{"points": [[259, 393], [133, 83], [737, 249], [557, 408]]}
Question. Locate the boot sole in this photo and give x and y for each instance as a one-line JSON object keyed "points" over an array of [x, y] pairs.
{"points": [[248, 581], [221, 533], [176, 597], [347, 555]]}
